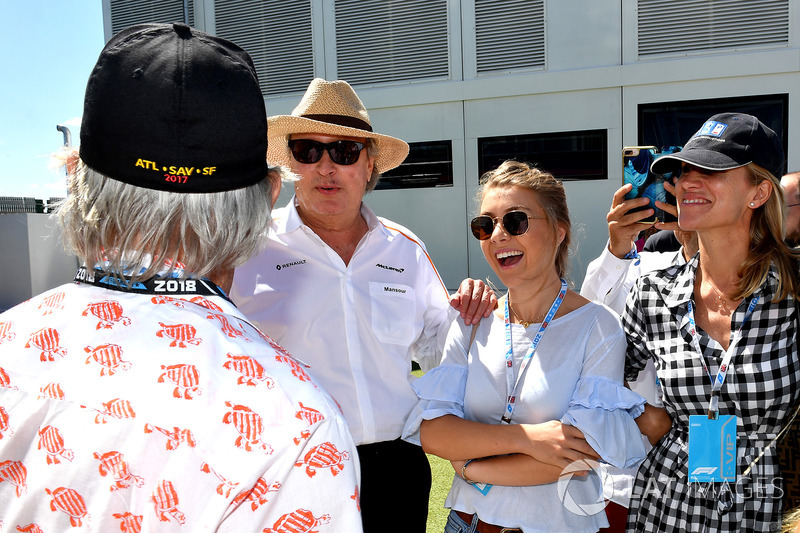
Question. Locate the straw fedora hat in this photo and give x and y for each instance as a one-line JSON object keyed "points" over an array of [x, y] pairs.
{"points": [[331, 108]]}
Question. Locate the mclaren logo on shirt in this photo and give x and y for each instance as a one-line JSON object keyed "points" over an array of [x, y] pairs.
{"points": [[400, 270], [293, 263]]}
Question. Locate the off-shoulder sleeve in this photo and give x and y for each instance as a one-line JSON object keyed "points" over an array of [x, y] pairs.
{"points": [[600, 406], [604, 411], [440, 392]]}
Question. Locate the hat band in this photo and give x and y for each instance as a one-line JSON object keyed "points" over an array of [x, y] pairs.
{"points": [[341, 120]]}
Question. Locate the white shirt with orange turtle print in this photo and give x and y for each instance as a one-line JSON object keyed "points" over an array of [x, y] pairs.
{"points": [[141, 412]]}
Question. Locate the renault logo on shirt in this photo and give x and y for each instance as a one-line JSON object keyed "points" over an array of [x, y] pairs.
{"points": [[293, 263]]}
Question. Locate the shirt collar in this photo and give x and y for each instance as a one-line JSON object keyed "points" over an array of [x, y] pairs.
{"points": [[287, 220], [678, 289]]}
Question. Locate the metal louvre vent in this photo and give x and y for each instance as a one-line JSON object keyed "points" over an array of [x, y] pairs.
{"points": [[126, 13], [509, 35], [277, 35], [682, 26], [381, 41]]}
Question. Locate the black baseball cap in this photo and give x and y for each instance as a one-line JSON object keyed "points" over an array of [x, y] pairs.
{"points": [[727, 141], [171, 108]]}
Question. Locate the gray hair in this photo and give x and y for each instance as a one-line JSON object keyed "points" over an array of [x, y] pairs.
{"points": [[372, 151], [108, 220]]}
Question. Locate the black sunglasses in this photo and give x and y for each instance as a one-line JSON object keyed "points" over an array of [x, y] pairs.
{"points": [[341, 152], [514, 222]]}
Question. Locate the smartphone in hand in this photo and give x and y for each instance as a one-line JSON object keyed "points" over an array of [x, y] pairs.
{"points": [[636, 162]]}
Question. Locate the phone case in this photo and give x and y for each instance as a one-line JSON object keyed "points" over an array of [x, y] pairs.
{"points": [[636, 162]]}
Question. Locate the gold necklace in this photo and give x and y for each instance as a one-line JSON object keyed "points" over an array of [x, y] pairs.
{"points": [[719, 300], [522, 321]]}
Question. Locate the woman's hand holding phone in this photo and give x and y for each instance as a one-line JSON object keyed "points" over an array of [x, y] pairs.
{"points": [[624, 226], [669, 208]]}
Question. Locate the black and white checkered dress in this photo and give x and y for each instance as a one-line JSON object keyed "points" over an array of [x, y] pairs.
{"points": [[759, 389]]}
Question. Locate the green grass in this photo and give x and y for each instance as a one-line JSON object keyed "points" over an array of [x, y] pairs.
{"points": [[442, 473]]}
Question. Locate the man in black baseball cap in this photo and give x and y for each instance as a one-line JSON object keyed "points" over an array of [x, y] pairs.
{"points": [[138, 398]]}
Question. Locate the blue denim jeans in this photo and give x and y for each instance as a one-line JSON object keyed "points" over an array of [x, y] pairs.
{"points": [[456, 525]]}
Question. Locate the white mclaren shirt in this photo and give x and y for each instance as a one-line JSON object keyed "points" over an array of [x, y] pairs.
{"points": [[358, 326]]}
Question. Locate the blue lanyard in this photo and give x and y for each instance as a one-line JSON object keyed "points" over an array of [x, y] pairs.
{"points": [[511, 383], [724, 367]]}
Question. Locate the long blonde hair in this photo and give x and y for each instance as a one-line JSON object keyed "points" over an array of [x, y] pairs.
{"points": [[767, 245]]}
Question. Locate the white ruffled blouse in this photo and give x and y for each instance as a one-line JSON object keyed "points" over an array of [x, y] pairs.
{"points": [[575, 376]]}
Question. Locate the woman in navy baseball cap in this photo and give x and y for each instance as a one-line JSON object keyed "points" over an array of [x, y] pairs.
{"points": [[721, 330]]}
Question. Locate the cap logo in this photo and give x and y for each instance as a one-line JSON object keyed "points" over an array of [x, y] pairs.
{"points": [[175, 174], [712, 128]]}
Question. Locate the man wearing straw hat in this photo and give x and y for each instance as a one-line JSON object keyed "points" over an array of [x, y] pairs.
{"points": [[359, 295]]}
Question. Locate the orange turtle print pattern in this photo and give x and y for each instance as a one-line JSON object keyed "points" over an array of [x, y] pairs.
{"points": [[158, 359], [129, 522], [186, 379], [205, 302], [257, 496], [52, 303], [5, 428], [71, 503], [47, 340], [53, 443], [109, 312], [30, 528], [53, 391], [109, 357], [310, 417], [251, 372], [249, 425], [6, 334], [14, 472], [225, 487], [5, 380], [175, 436], [165, 499], [161, 300], [116, 408], [113, 464], [297, 369], [227, 328], [299, 521], [324, 456], [181, 334]]}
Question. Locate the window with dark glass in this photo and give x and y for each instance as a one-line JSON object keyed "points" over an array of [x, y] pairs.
{"points": [[570, 155], [673, 123], [429, 164]]}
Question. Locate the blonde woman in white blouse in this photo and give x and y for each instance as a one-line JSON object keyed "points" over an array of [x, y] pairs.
{"points": [[510, 420]]}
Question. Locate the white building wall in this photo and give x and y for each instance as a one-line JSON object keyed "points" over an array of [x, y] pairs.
{"points": [[593, 78], [33, 259]]}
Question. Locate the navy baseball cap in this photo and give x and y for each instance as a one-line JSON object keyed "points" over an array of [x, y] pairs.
{"points": [[727, 141], [171, 108]]}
